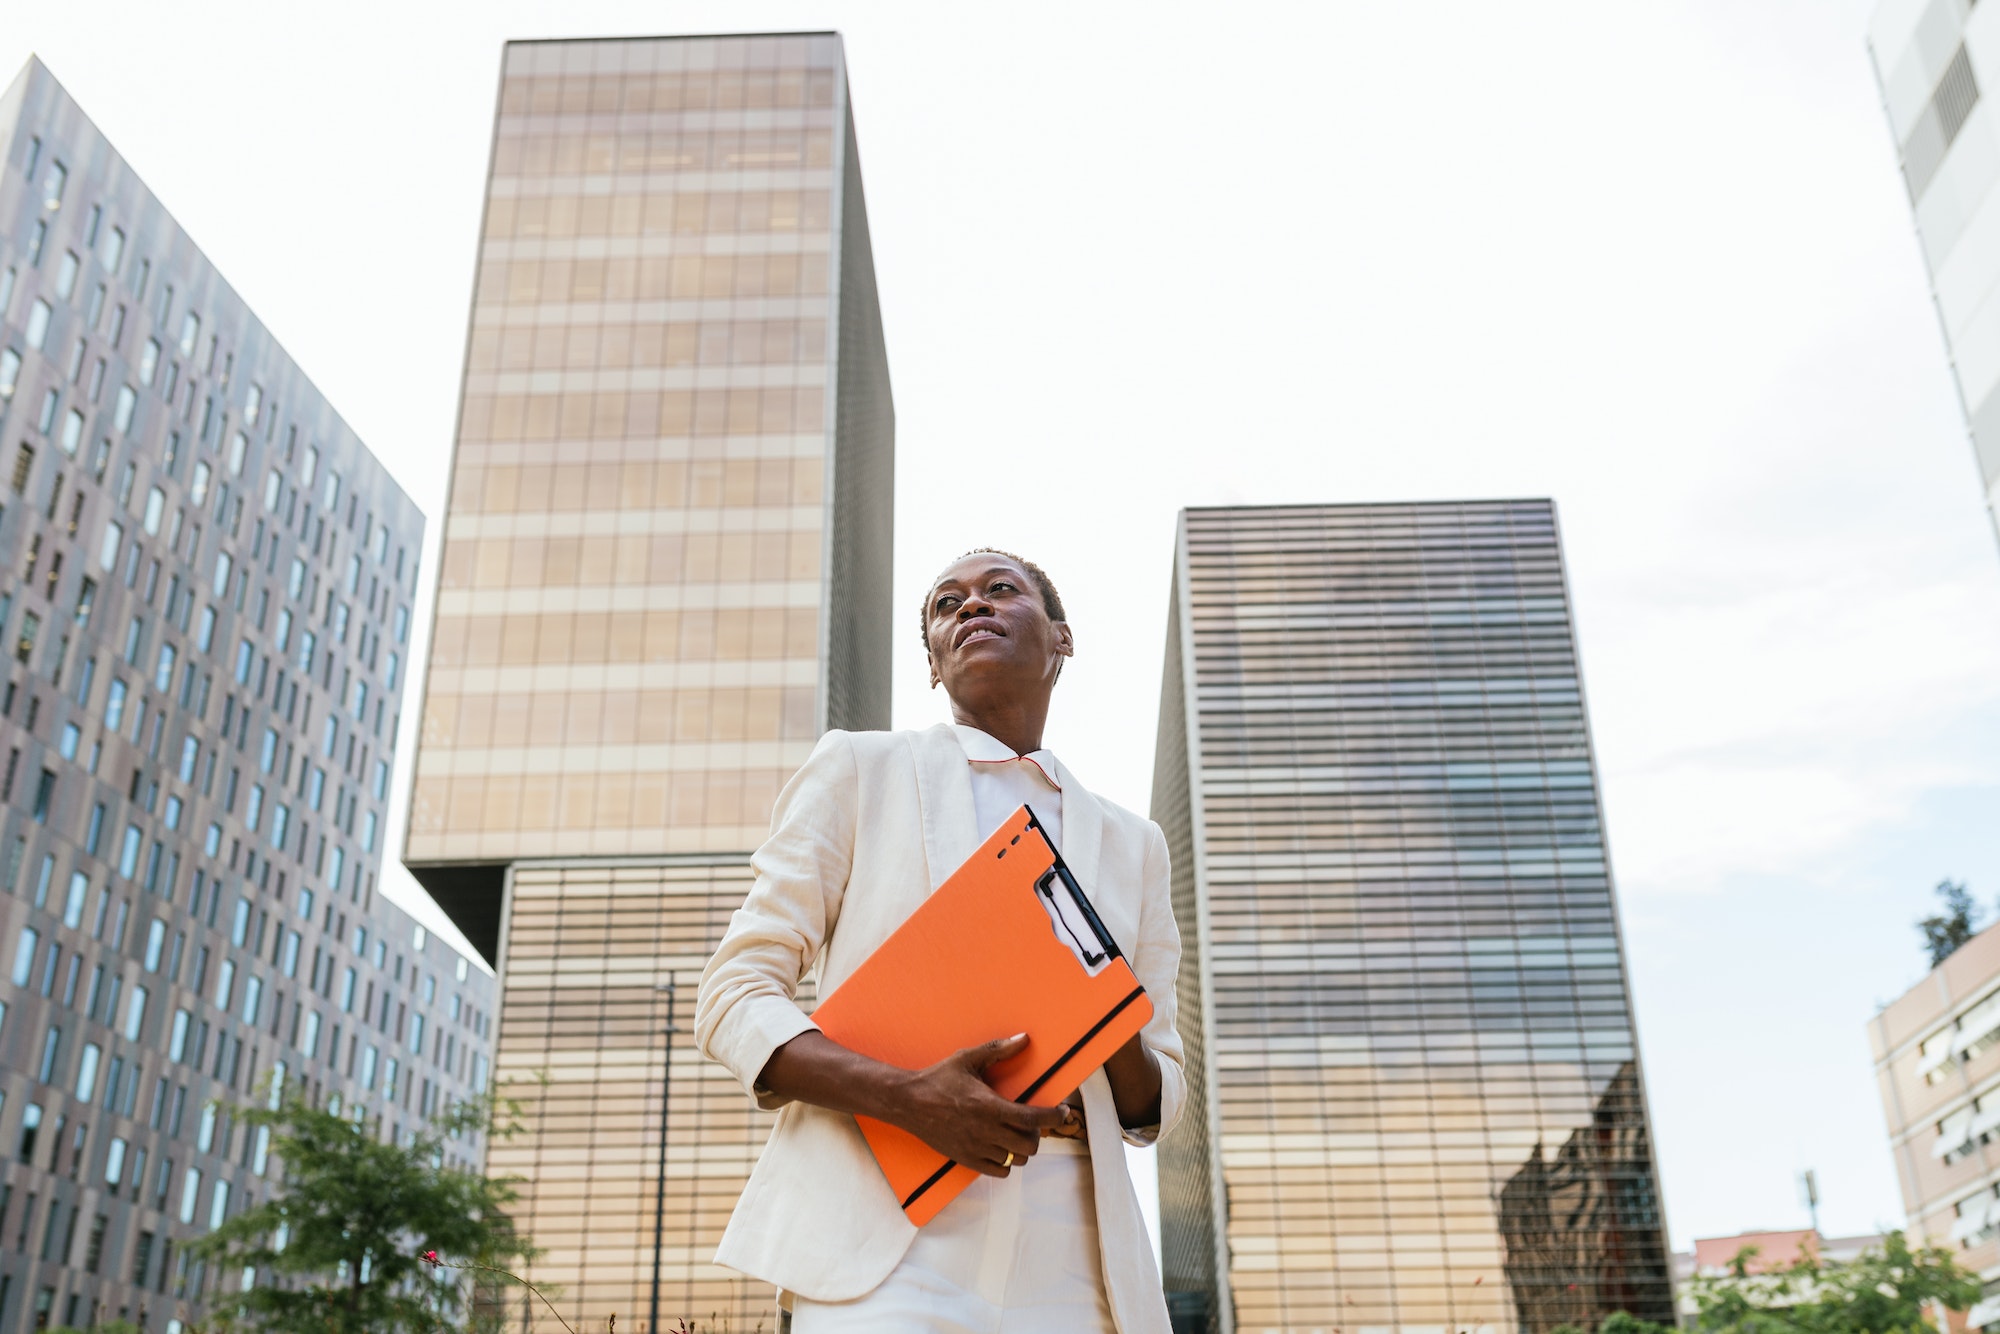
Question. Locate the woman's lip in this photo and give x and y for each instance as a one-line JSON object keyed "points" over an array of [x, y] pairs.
{"points": [[981, 633]]}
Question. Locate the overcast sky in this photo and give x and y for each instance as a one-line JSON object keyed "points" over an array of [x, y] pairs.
{"points": [[1655, 262]]}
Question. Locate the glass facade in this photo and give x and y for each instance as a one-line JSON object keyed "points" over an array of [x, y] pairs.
{"points": [[585, 1024], [666, 572], [1404, 993], [205, 614], [1931, 61], [632, 612]]}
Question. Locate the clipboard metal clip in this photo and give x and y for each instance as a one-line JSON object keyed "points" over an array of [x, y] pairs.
{"points": [[1075, 920]]}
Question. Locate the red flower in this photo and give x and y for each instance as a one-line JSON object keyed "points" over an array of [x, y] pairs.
{"points": [[430, 1258]]}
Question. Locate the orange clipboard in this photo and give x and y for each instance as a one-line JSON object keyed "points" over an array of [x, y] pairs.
{"points": [[1008, 944]]}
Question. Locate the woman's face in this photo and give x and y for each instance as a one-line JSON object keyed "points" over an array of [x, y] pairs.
{"points": [[989, 631]]}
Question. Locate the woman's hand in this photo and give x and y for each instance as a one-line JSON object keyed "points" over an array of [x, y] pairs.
{"points": [[949, 1106]]}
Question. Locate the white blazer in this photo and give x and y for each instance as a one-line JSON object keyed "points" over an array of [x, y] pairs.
{"points": [[863, 833]]}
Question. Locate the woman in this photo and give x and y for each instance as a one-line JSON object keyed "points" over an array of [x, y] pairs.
{"points": [[1050, 1240]]}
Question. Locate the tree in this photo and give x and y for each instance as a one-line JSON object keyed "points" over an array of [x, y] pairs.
{"points": [[1619, 1322], [1945, 931], [348, 1234], [1882, 1291]]}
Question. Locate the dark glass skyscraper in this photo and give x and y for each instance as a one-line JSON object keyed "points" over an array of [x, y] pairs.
{"points": [[1416, 1102], [205, 589], [666, 572]]}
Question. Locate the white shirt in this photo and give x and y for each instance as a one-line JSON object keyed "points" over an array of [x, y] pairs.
{"points": [[1003, 782]]}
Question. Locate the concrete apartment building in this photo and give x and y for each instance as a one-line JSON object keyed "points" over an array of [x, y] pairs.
{"points": [[1415, 1096], [204, 610], [666, 571], [1937, 1063]]}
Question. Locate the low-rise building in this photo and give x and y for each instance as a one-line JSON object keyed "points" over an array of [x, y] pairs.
{"points": [[1937, 1063]]}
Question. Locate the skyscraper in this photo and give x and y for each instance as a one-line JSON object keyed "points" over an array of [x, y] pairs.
{"points": [[1415, 1099], [1931, 57], [666, 571], [204, 609]]}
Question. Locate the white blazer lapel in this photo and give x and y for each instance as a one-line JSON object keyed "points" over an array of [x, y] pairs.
{"points": [[944, 793], [1083, 830]]}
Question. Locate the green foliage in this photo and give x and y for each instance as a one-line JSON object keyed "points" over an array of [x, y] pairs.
{"points": [[108, 1327], [1883, 1291], [1619, 1322], [1945, 931], [346, 1234]]}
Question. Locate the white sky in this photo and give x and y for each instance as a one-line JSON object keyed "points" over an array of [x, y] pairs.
{"points": [[1655, 262]]}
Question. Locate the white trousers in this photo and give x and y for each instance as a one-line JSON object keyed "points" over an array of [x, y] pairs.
{"points": [[1012, 1256]]}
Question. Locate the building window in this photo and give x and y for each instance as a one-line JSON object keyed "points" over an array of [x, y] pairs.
{"points": [[38, 323], [24, 955], [86, 1072], [135, 1003]]}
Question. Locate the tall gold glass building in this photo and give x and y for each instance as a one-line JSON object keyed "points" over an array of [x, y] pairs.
{"points": [[666, 571], [1415, 1092]]}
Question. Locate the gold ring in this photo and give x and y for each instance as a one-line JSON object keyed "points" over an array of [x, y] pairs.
{"points": [[1010, 1159]]}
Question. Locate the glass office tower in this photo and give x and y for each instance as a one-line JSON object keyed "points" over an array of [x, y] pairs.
{"points": [[666, 572], [1415, 1101], [204, 607], [1931, 59]]}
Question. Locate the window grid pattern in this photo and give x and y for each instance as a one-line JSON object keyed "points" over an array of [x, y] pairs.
{"points": [[628, 644], [212, 577], [665, 573], [584, 1037], [1426, 1109]]}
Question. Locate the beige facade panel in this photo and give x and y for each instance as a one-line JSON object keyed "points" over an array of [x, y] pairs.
{"points": [[665, 573]]}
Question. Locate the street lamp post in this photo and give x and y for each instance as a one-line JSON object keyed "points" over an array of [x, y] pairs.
{"points": [[660, 1183]]}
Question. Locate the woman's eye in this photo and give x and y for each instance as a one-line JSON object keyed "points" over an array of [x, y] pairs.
{"points": [[944, 603]]}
